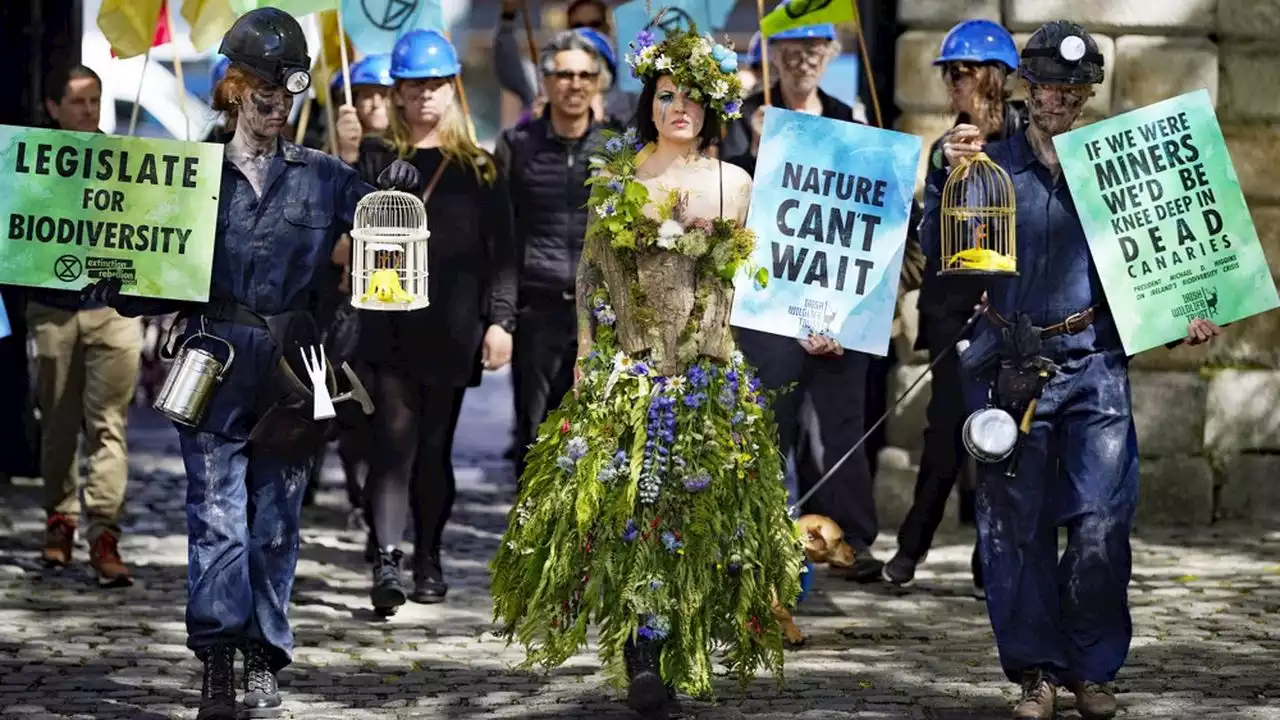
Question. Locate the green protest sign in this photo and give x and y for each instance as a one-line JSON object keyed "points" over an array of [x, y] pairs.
{"points": [[1167, 223], [79, 207]]}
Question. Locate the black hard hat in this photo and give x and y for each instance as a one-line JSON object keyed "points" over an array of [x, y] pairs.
{"points": [[269, 43], [1061, 53]]}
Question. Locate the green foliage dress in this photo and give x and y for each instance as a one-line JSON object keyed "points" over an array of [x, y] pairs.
{"points": [[652, 504]]}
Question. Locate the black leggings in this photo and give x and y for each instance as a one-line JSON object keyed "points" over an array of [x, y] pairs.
{"points": [[412, 466]]}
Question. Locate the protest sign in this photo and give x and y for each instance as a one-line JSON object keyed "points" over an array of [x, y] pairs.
{"points": [[830, 205], [633, 17], [1166, 220], [79, 207], [5, 328]]}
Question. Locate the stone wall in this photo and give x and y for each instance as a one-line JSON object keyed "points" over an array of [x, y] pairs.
{"points": [[1208, 419]]}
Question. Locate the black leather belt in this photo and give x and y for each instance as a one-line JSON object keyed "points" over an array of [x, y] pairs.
{"points": [[1073, 325]]}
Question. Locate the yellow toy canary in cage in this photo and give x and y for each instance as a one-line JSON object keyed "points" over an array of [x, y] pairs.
{"points": [[979, 220]]}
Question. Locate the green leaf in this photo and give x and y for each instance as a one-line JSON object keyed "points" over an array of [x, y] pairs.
{"points": [[762, 278]]}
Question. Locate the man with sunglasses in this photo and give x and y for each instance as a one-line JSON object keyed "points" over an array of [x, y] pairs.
{"points": [[1057, 622], [546, 165]]}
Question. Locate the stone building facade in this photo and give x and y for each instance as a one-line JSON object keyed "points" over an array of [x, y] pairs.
{"points": [[1208, 419]]}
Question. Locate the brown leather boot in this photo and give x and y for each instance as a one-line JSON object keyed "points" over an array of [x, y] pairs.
{"points": [[104, 556], [59, 539], [1038, 697], [1094, 701]]}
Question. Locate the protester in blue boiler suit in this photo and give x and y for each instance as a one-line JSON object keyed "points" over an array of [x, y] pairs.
{"points": [[1056, 622], [281, 208]]}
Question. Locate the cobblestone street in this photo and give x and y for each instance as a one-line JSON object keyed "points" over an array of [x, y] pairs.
{"points": [[1206, 611]]}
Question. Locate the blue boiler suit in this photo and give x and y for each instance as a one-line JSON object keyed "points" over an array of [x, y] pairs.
{"points": [[271, 255], [1079, 466]]}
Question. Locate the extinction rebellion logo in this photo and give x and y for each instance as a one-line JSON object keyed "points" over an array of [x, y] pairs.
{"points": [[797, 9], [673, 19], [391, 15]]}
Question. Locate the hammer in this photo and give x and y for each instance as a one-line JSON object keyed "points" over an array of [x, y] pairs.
{"points": [[357, 391]]}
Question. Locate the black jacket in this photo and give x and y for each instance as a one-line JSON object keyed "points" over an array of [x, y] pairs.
{"points": [[945, 303], [547, 198], [470, 281]]}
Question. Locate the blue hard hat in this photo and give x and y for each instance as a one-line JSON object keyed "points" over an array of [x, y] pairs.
{"points": [[369, 70], [217, 71], [979, 41], [603, 47], [421, 54], [821, 31], [753, 51]]}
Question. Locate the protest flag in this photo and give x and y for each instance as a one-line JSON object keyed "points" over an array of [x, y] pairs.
{"points": [[375, 30], [134, 26], [209, 20], [799, 13]]}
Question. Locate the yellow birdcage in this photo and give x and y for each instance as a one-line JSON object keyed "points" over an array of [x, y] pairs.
{"points": [[979, 220], [389, 252]]}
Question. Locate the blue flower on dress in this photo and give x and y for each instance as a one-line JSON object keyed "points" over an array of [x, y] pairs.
{"points": [[615, 186], [697, 376], [613, 145], [653, 628], [670, 542], [576, 448], [640, 369], [644, 39], [607, 209], [695, 400], [631, 532], [655, 584], [732, 107], [604, 314], [565, 463], [697, 482]]}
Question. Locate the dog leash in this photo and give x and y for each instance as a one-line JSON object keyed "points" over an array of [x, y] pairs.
{"points": [[951, 347]]}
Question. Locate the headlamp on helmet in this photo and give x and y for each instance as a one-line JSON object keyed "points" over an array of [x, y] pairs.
{"points": [[1072, 48], [297, 81]]}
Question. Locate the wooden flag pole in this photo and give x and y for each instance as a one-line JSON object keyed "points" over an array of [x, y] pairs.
{"points": [[137, 100], [331, 115], [866, 62], [177, 70], [764, 53], [462, 92], [533, 48], [303, 121], [346, 65]]}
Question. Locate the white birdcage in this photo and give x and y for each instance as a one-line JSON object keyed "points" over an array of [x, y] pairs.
{"points": [[389, 252]]}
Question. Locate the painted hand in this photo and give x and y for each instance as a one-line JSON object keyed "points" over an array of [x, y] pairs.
{"points": [[496, 351], [1201, 331], [103, 292], [399, 175]]}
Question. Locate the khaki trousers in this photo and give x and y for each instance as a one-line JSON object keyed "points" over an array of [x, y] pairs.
{"points": [[86, 373]]}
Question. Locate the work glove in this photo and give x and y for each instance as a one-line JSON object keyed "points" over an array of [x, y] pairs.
{"points": [[1022, 340], [103, 292], [399, 175]]}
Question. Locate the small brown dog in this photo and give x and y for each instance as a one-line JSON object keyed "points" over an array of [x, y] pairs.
{"points": [[823, 543]]}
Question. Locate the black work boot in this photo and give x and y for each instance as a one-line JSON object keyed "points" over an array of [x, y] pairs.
{"points": [[218, 692], [429, 586], [261, 691], [388, 590], [646, 693]]}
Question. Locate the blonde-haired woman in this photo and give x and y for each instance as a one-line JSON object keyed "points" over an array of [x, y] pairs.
{"points": [[421, 362]]}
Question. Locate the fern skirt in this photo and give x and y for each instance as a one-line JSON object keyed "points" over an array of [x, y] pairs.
{"points": [[652, 507]]}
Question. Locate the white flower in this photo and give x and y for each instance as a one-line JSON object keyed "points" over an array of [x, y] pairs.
{"points": [[662, 63], [737, 357], [702, 47], [666, 242], [677, 384], [621, 361], [647, 52], [719, 89], [670, 229]]}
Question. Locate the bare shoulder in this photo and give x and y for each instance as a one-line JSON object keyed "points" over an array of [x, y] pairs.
{"points": [[735, 178]]}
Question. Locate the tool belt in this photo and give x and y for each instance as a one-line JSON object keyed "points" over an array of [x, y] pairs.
{"points": [[1073, 325], [286, 425]]}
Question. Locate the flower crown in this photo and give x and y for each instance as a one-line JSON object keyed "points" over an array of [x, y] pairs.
{"points": [[708, 70]]}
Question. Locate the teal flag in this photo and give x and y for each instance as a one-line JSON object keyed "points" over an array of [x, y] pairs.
{"points": [[1166, 221], [668, 16], [374, 26]]}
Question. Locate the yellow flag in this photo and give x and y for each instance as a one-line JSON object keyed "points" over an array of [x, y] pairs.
{"points": [[209, 21], [329, 59], [800, 13], [129, 25]]}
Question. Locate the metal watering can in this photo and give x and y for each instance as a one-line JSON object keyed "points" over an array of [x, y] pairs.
{"points": [[194, 377]]}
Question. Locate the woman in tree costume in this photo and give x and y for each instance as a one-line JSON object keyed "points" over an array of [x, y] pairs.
{"points": [[653, 502]]}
